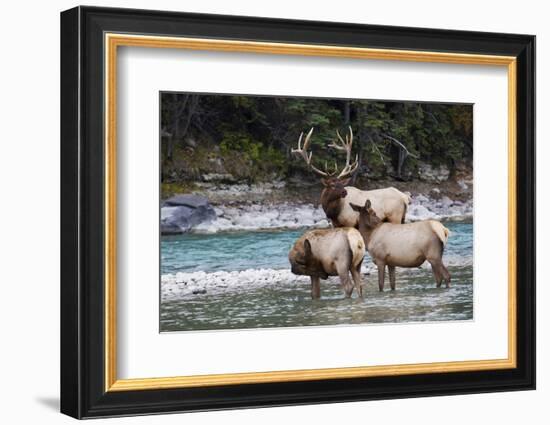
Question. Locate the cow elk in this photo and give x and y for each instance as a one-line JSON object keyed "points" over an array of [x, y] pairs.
{"points": [[322, 253], [390, 204], [403, 245]]}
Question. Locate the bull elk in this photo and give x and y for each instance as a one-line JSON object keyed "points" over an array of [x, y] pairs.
{"points": [[322, 253], [403, 245], [390, 204]]}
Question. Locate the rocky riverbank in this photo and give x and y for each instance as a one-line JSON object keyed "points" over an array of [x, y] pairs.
{"points": [[215, 208]]}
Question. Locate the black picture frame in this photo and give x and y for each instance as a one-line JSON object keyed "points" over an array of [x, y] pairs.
{"points": [[83, 392]]}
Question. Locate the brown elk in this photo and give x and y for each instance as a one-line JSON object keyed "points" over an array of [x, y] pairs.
{"points": [[403, 245], [390, 204], [322, 253]]}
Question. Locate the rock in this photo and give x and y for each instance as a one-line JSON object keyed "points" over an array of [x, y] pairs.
{"points": [[219, 177], [170, 229], [454, 211], [419, 212], [462, 184], [431, 174], [421, 199], [183, 212], [435, 193], [174, 220], [446, 202], [192, 143], [193, 201], [199, 291]]}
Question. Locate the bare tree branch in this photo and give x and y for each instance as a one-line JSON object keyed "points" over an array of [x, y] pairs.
{"points": [[192, 108], [379, 153], [393, 139]]}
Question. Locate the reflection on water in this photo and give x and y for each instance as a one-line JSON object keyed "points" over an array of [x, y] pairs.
{"points": [[288, 303]]}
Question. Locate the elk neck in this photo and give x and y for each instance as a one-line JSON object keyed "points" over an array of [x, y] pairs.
{"points": [[366, 231], [331, 205]]}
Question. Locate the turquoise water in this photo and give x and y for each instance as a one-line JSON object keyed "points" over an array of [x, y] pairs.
{"points": [[227, 251], [264, 249], [287, 301]]}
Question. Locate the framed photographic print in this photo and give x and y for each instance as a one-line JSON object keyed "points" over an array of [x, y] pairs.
{"points": [[261, 212]]}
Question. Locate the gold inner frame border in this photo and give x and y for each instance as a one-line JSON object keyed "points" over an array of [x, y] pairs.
{"points": [[111, 43]]}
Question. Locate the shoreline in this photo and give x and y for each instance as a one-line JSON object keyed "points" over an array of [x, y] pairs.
{"points": [[308, 191], [181, 285], [277, 206]]}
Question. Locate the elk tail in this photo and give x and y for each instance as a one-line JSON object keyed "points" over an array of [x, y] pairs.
{"points": [[441, 231], [356, 246], [406, 197], [404, 214], [406, 202]]}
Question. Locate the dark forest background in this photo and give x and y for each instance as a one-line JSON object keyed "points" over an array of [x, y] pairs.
{"points": [[249, 138]]}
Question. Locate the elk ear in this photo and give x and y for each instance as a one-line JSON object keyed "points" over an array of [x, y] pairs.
{"points": [[345, 182], [325, 182], [367, 204], [307, 249], [355, 207]]}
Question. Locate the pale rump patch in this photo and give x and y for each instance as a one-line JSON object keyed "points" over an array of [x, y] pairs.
{"points": [[403, 245], [441, 231], [329, 252], [356, 240]]}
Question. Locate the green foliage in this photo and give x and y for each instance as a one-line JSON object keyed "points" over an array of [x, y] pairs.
{"points": [[275, 158], [240, 142], [258, 132], [169, 189], [265, 159]]}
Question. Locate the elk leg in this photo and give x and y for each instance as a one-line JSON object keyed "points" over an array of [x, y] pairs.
{"points": [[346, 284], [436, 270], [315, 287], [356, 276], [446, 275], [391, 270], [381, 267], [343, 274]]}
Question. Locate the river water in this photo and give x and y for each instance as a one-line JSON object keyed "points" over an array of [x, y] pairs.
{"points": [[242, 280]]}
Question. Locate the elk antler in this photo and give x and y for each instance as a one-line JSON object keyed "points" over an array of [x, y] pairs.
{"points": [[302, 150], [346, 146]]}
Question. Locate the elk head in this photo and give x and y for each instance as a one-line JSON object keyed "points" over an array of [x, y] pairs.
{"points": [[334, 181], [368, 220], [304, 263]]}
